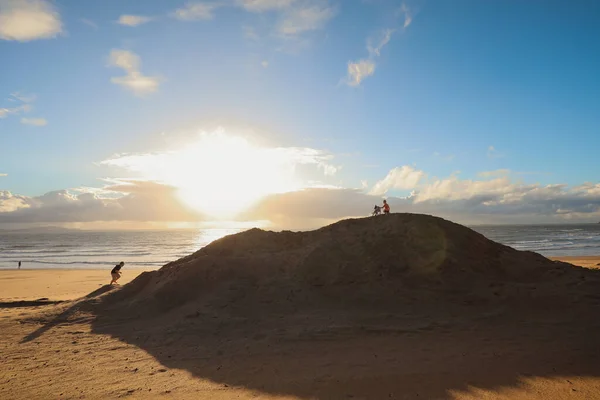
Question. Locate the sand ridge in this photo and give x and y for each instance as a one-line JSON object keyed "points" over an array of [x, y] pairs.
{"points": [[381, 260]]}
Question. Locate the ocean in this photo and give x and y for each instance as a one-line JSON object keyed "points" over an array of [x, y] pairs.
{"points": [[92, 250], [153, 249], [548, 240]]}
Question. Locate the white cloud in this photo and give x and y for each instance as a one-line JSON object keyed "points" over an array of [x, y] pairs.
{"points": [[25, 98], [10, 202], [264, 63], [495, 201], [298, 20], [498, 200], [133, 20], [34, 121], [5, 112], [359, 70], [407, 13], [127, 60], [264, 5], [328, 170], [3, 174], [289, 24], [89, 23], [453, 188], [26, 20], [196, 11], [490, 200], [137, 83], [134, 80], [136, 201], [405, 178], [385, 38], [24, 105], [168, 166]]}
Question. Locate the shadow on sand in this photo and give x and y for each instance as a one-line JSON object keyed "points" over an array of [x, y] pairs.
{"points": [[417, 352], [29, 303], [68, 315], [429, 352]]}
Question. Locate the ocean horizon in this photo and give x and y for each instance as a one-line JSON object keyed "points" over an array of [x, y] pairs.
{"points": [[83, 249]]}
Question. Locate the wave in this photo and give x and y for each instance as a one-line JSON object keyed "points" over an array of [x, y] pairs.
{"points": [[576, 247], [532, 241], [162, 262], [25, 256]]}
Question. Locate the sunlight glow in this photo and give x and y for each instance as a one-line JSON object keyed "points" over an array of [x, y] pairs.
{"points": [[222, 175]]}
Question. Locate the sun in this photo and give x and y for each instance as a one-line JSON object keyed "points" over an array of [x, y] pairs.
{"points": [[222, 175]]}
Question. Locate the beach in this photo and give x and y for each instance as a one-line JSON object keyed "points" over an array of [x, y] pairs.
{"points": [[56, 344], [56, 284], [592, 262]]}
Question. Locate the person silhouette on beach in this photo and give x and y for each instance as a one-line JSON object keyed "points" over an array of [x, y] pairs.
{"points": [[116, 272], [386, 207], [19, 264]]}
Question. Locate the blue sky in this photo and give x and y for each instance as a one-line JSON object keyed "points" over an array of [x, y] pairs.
{"points": [[447, 90]]}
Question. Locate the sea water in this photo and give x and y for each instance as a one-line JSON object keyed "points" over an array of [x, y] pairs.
{"points": [[548, 240], [87, 249]]}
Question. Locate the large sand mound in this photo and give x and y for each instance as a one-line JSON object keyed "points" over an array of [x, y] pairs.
{"points": [[382, 261], [400, 306]]}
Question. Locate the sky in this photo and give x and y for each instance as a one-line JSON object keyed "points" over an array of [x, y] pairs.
{"points": [[292, 114]]}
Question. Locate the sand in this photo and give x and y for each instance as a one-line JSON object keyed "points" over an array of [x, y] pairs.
{"points": [[592, 262], [238, 337], [56, 284]]}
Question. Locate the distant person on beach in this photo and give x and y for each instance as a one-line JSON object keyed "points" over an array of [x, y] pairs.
{"points": [[19, 264], [116, 272], [386, 207]]}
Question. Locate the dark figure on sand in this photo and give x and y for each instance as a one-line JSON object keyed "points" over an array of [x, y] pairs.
{"points": [[19, 264], [116, 272]]}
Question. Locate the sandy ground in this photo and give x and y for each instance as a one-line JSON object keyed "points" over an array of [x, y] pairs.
{"points": [[56, 284], [55, 351], [586, 261]]}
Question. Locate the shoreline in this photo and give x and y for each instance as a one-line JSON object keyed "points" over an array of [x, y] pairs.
{"points": [[592, 262], [584, 259]]}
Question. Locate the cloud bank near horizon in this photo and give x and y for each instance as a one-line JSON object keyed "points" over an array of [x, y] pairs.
{"points": [[498, 199]]}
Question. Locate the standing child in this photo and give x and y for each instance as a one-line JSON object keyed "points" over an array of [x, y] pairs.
{"points": [[386, 207]]}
